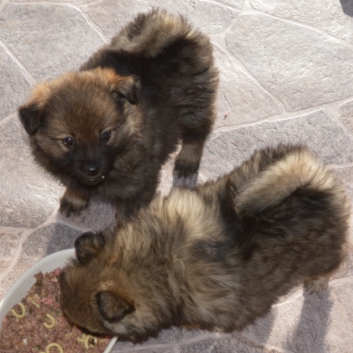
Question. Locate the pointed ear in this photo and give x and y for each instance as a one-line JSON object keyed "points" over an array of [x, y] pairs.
{"points": [[88, 245], [112, 307], [128, 87], [31, 116], [32, 113]]}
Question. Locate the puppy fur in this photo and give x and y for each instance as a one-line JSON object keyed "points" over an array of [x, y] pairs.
{"points": [[217, 256], [107, 129]]}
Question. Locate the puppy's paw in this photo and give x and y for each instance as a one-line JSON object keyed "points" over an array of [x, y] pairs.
{"points": [[68, 209], [184, 169], [316, 284], [188, 160], [72, 203]]}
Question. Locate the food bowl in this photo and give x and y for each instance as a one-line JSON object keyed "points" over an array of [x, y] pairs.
{"points": [[26, 281]]}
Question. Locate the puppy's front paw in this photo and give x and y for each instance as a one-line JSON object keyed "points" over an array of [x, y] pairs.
{"points": [[69, 209], [72, 203], [188, 160], [185, 168]]}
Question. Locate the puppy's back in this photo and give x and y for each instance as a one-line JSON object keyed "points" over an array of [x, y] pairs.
{"points": [[150, 33]]}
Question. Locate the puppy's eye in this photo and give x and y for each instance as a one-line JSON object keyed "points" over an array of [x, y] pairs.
{"points": [[105, 136], [68, 141]]}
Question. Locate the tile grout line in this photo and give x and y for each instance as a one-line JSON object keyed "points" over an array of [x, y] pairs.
{"points": [[271, 119], [334, 112], [54, 218], [221, 36], [248, 5], [72, 225], [245, 70], [14, 229], [6, 2], [228, 28], [26, 234], [339, 281], [77, 7], [247, 9], [289, 115], [226, 5], [65, 3], [239, 62], [86, 17], [16, 256], [29, 78], [300, 24], [90, 3], [291, 298]]}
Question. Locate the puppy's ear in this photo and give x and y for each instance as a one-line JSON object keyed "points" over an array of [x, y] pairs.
{"points": [[112, 307], [32, 113], [87, 246], [31, 116], [128, 87]]}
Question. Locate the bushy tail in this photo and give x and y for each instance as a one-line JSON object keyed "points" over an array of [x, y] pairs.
{"points": [[148, 34], [277, 173]]}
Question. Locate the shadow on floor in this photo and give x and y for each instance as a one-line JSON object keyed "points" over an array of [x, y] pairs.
{"points": [[258, 333], [347, 7], [309, 335], [189, 182]]}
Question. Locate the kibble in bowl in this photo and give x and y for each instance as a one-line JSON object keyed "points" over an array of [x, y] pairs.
{"points": [[31, 319]]}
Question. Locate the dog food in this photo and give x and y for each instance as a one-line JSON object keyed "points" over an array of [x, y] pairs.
{"points": [[37, 324]]}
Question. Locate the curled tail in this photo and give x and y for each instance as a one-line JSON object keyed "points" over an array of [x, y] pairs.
{"points": [[277, 173], [148, 34]]}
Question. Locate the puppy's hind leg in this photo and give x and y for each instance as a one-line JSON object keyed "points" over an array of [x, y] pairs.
{"points": [[317, 283]]}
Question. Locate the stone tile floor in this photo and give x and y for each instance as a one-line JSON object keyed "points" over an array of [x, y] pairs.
{"points": [[286, 76]]}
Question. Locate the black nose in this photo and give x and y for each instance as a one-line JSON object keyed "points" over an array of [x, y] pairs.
{"points": [[92, 169]]}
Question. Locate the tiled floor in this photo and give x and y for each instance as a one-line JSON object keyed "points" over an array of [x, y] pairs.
{"points": [[286, 75]]}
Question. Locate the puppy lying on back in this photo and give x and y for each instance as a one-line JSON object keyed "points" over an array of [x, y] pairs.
{"points": [[217, 256], [107, 129]]}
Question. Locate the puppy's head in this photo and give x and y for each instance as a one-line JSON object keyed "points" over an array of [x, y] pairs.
{"points": [[112, 291], [80, 122]]}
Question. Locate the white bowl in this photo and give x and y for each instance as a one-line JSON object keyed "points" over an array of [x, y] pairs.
{"points": [[26, 281]]}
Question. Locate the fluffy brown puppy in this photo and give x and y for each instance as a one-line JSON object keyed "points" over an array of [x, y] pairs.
{"points": [[107, 129], [214, 257]]}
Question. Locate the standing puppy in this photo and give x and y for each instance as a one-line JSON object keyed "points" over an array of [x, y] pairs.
{"points": [[217, 256], [107, 129]]}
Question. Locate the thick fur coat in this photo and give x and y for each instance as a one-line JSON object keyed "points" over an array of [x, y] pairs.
{"points": [[217, 256], [107, 129]]}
